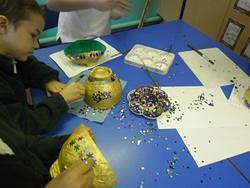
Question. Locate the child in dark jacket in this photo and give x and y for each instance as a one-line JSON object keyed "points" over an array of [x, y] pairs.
{"points": [[25, 160], [20, 25]]}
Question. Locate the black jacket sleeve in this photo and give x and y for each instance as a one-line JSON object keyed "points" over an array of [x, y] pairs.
{"points": [[44, 116], [35, 73], [38, 120], [47, 148], [32, 156], [14, 173]]}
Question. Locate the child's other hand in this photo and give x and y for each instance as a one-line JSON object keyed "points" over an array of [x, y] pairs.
{"points": [[120, 8], [72, 92], [123, 5], [80, 174], [54, 86], [103, 5]]}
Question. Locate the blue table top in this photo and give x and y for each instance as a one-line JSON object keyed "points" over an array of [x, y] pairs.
{"points": [[159, 158]]}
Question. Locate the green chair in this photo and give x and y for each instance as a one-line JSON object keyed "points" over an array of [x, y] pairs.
{"points": [[133, 18], [48, 37], [41, 2]]}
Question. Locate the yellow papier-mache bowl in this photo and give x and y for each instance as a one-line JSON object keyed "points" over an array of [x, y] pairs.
{"points": [[80, 146], [102, 89], [85, 52]]}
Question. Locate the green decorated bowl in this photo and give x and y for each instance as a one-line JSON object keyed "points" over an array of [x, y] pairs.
{"points": [[85, 52]]}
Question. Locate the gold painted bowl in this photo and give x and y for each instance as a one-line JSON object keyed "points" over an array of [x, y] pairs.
{"points": [[103, 88], [81, 146], [85, 52]]}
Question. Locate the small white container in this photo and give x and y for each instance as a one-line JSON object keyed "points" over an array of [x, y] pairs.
{"points": [[155, 60]]}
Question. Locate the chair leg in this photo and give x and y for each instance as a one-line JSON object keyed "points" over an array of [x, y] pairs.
{"points": [[29, 96], [144, 13]]}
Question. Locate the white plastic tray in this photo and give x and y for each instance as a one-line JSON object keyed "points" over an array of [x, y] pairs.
{"points": [[154, 59]]}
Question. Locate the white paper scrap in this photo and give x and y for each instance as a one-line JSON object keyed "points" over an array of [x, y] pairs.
{"points": [[200, 107], [223, 72]]}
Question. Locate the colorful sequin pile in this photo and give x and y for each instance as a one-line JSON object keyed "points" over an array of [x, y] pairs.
{"points": [[148, 101], [84, 154]]}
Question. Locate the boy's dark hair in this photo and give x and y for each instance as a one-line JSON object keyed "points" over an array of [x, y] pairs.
{"points": [[18, 10]]}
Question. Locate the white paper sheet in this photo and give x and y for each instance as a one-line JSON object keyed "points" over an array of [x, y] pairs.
{"points": [[228, 132], [71, 69], [200, 107], [223, 72], [209, 145]]}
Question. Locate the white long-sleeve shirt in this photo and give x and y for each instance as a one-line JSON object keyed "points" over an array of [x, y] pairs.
{"points": [[83, 24]]}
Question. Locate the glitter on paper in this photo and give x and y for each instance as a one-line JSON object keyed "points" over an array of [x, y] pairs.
{"points": [[202, 101], [174, 111]]}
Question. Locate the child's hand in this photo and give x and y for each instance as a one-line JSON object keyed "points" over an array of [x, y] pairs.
{"points": [[54, 86], [78, 175], [103, 5], [120, 8], [123, 5], [73, 92]]}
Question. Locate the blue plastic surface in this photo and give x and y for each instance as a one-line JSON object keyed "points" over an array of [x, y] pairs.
{"points": [[158, 159]]}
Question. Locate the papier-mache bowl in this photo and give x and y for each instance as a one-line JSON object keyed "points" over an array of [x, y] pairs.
{"points": [[102, 89], [85, 52]]}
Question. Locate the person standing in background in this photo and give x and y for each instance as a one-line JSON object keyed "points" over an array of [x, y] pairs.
{"points": [[85, 19]]}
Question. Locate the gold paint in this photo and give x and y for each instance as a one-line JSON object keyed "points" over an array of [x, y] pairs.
{"points": [[100, 81], [104, 175]]}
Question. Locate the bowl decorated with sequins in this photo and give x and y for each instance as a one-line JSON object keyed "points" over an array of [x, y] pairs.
{"points": [[103, 88], [85, 52], [148, 101]]}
